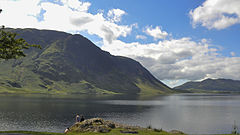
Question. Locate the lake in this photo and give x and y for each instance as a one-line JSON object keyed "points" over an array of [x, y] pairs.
{"points": [[190, 113]]}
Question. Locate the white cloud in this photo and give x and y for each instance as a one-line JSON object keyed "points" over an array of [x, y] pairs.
{"points": [[71, 15], [216, 14], [115, 15], [179, 59], [232, 53], [156, 33], [76, 5], [141, 37], [204, 40], [15, 13], [174, 83], [169, 59]]}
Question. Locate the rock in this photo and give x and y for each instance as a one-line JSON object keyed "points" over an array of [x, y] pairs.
{"points": [[103, 129], [157, 130], [128, 132], [110, 124], [99, 125], [93, 125], [176, 132]]}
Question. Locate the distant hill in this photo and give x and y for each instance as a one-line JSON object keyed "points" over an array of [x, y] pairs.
{"points": [[211, 85], [71, 64]]}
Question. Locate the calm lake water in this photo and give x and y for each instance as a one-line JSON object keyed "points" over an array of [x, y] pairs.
{"points": [[190, 113]]}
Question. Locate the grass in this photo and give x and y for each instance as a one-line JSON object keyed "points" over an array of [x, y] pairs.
{"points": [[113, 132], [32, 132], [57, 88], [117, 132], [149, 90]]}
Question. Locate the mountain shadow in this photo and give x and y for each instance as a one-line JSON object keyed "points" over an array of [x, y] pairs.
{"points": [[72, 64]]}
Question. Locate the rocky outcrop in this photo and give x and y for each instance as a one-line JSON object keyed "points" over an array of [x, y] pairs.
{"points": [[176, 132], [101, 126]]}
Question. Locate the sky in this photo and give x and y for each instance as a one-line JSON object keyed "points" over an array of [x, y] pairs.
{"points": [[176, 40]]}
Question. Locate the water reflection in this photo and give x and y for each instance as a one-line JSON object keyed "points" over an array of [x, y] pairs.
{"points": [[195, 113]]}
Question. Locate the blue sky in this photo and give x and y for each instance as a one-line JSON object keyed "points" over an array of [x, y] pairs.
{"points": [[177, 40], [172, 16]]}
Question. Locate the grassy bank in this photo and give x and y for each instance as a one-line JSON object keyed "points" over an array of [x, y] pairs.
{"points": [[30, 133], [113, 132], [117, 132]]}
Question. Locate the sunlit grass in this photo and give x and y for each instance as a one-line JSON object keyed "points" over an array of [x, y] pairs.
{"points": [[113, 132]]}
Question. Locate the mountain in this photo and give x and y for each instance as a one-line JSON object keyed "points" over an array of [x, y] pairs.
{"points": [[72, 64], [211, 85]]}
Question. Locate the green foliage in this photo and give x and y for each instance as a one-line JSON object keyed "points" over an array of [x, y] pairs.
{"points": [[149, 127], [12, 48], [157, 130]]}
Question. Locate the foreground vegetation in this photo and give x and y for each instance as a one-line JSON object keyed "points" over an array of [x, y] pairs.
{"points": [[113, 132], [30, 132], [98, 126]]}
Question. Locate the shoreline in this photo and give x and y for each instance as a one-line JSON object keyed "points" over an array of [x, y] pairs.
{"points": [[86, 133]]}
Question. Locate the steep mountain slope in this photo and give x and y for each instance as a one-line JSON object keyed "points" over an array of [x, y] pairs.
{"points": [[221, 85], [73, 64]]}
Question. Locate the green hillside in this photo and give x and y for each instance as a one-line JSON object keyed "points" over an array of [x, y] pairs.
{"points": [[211, 85], [71, 64]]}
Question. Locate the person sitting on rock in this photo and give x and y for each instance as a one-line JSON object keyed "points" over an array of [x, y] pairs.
{"points": [[66, 130], [77, 118], [82, 118]]}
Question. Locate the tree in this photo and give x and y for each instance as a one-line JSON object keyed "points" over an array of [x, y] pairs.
{"points": [[10, 47]]}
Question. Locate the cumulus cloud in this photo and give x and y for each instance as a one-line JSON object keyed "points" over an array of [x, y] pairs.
{"points": [[179, 59], [156, 33], [232, 53], [16, 11], [141, 37], [81, 21], [115, 15], [70, 15], [76, 5], [216, 14], [168, 59]]}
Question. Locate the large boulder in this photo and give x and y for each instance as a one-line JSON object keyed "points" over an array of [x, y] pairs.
{"points": [[98, 125]]}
